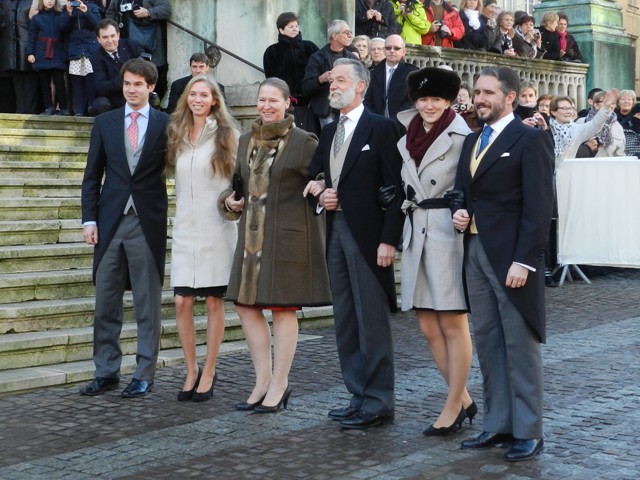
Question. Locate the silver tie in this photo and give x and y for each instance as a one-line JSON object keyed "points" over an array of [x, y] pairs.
{"points": [[338, 140]]}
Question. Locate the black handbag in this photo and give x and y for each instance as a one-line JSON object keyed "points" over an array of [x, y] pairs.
{"points": [[238, 186]]}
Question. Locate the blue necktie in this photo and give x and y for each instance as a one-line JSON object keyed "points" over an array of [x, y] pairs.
{"points": [[484, 138]]}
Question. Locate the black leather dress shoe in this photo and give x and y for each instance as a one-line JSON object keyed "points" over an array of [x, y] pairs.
{"points": [[362, 420], [488, 439], [99, 386], [342, 413], [137, 388], [524, 449]]}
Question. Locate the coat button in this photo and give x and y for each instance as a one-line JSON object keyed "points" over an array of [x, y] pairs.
{"points": [[433, 182], [441, 157], [253, 228], [423, 230]]}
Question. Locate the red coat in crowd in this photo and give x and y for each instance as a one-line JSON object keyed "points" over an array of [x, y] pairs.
{"points": [[452, 20]]}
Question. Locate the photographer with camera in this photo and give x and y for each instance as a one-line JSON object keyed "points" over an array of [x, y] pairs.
{"points": [[143, 21], [446, 25], [527, 42], [464, 107]]}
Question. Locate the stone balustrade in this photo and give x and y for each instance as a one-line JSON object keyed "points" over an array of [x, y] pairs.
{"points": [[555, 78]]}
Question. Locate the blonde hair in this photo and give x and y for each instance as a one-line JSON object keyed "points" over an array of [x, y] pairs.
{"points": [[627, 93], [548, 18], [223, 158], [463, 5]]}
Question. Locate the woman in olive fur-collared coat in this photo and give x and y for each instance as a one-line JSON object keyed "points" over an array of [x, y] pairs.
{"points": [[279, 263]]}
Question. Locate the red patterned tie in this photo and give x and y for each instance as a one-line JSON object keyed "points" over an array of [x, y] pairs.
{"points": [[133, 130]]}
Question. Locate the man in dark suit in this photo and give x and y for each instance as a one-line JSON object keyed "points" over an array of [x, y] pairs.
{"points": [[199, 64], [356, 156], [107, 62], [126, 219], [506, 174], [387, 94]]}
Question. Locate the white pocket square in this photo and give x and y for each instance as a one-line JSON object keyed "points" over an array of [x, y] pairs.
{"points": [[505, 154], [365, 148]]}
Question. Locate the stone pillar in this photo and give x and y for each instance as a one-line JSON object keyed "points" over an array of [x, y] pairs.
{"points": [[597, 27]]}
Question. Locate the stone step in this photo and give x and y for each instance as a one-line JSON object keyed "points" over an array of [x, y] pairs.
{"points": [[31, 232], [50, 169], [33, 208], [55, 374], [39, 153], [41, 122], [40, 258], [22, 350], [19, 208], [49, 187], [40, 187], [15, 136], [46, 315], [53, 285]]}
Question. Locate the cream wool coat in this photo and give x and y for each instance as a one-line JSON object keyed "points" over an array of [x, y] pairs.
{"points": [[432, 255], [203, 242]]}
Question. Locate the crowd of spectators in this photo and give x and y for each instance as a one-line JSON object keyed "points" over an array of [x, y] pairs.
{"points": [[51, 50]]}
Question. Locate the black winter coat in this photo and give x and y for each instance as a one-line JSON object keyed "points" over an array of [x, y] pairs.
{"points": [[82, 38], [473, 39], [14, 36], [287, 60], [372, 28]]}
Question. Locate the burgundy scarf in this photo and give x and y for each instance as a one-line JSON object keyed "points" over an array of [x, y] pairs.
{"points": [[419, 140], [563, 40]]}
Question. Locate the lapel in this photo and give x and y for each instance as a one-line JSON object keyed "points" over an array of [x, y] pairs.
{"points": [[359, 140], [118, 125], [507, 138], [150, 139], [327, 140]]}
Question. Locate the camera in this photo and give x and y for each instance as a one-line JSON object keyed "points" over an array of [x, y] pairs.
{"points": [[462, 107], [75, 4], [536, 33], [126, 6]]}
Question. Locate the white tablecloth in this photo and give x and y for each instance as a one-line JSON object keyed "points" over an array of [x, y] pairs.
{"points": [[599, 211]]}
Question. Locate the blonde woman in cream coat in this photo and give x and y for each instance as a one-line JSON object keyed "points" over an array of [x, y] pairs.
{"points": [[202, 150]]}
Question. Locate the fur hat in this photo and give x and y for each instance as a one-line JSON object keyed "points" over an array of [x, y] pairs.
{"points": [[433, 82]]}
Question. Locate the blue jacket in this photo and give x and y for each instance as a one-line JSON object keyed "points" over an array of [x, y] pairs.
{"points": [[47, 40], [82, 38]]}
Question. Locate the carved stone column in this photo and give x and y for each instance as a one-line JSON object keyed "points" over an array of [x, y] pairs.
{"points": [[597, 27]]}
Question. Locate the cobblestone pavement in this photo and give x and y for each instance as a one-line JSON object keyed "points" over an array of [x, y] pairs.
{"points": [[592, 384]]}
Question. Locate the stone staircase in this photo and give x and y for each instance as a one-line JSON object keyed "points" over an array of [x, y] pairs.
{"points": [[46, 289]]}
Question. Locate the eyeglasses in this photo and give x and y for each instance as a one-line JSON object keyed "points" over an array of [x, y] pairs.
{"points": [[567, 109], [392, 47], [348, 33], [376, 49]]}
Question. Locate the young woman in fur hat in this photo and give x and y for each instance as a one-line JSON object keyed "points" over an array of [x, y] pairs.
{"points": [[432, 252]]}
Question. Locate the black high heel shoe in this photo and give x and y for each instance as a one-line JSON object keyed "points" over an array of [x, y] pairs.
{"points": [[471, 411], [204, 396], [246, 406], [185, 395], [441, 431], [282, 403]]}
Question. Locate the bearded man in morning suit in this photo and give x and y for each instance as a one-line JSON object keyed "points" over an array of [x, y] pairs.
{"points": [[507, 178], [356, 156], [126, 220]]}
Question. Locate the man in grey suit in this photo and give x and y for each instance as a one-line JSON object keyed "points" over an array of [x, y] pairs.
{"points": [[125, 217], [506, 174], [356, 156]]}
